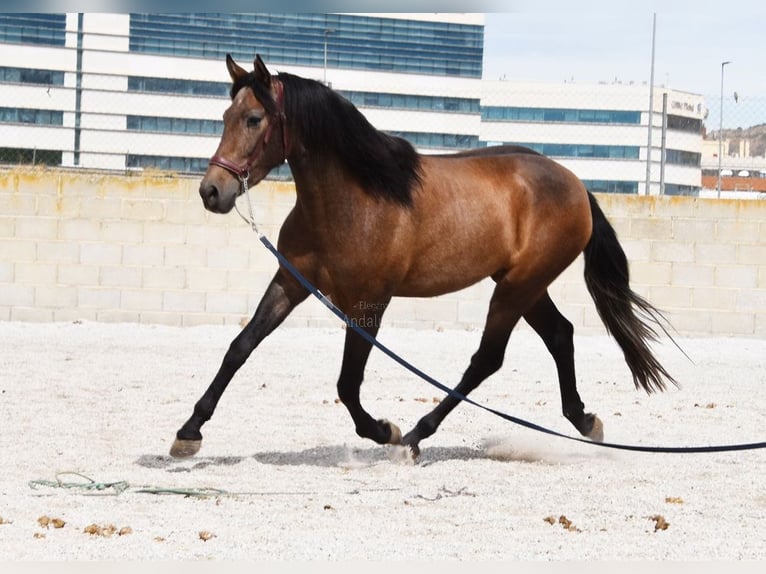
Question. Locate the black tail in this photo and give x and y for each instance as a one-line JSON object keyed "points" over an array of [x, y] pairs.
{"points": [[607, 279]]}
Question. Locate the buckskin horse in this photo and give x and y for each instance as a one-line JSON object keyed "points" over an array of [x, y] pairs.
{"points": [[374, 219]]}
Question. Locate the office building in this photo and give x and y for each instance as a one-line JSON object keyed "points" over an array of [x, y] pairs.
{"points": [[137, 91]]}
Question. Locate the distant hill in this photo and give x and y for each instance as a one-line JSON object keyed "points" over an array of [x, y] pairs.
{"points": [[756, 135]]}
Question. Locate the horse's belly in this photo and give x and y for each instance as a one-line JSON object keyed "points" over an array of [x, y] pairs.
{"points": [[441, 278]]}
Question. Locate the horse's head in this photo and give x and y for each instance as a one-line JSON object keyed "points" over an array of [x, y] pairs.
{"points": [[254, 139]]}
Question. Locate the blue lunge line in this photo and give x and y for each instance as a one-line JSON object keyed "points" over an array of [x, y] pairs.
{"points": [[412, 368]]}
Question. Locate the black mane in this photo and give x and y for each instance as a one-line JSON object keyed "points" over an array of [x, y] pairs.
{"points": [[330, 128]]}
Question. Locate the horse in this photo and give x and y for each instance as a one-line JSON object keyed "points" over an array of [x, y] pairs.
{"points": [[374, 219]]}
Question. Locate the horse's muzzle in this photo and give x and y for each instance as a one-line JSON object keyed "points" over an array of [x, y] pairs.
{"points": [[216, 199]]}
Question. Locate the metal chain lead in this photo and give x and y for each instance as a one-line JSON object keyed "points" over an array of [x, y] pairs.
{"points": [[246, 192]]}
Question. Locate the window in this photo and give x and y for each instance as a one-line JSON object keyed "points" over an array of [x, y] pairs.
{"points": [[178, 164], [439, 140], [22, 156], [403, 101], [172, 86], [512, 114], [174, 125], [29, 76], [190, 165], [680, 157], [45, 29], [31, 116], [683, 124], [611, 186], [582, 150], [677, 189]]}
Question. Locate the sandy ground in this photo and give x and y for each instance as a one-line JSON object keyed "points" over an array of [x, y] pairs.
{"points": [[285, 477]]}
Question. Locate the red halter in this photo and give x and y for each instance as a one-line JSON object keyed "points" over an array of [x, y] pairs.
{"points": [[243, 171]]}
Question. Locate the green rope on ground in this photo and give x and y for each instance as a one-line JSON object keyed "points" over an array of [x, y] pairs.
{"points": [[91, 485], [119, 487], [201, 492]]}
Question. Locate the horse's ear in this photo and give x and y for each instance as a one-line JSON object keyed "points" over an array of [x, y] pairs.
{"points": [[235, 71], [262, 73]]}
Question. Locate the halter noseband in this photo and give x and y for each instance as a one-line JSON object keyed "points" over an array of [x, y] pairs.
{"points": [[242, 172]]}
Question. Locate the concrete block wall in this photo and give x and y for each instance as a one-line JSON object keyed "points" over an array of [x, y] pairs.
{"points": [[703, 261], [141, 248]]}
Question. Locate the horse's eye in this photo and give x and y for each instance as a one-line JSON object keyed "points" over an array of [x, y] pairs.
{"points": [[253, 121]]}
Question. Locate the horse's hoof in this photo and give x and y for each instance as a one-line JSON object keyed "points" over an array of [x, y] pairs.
{"points": [[412, 448], [414, 451], [185, 448], [596, 433], [403, 454], [396, 433]]}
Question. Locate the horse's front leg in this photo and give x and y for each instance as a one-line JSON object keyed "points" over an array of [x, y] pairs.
{"points": [[366, 316], [282, 296]]}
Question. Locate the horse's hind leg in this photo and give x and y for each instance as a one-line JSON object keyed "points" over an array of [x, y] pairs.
{"points": [[505, 310], [557, 334], [355, 355], [281, 297]]}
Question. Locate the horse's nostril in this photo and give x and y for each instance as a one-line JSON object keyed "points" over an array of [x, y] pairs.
{"points": [[209, 193]]}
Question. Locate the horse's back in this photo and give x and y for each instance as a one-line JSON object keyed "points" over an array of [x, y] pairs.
{"points": [[481, 215], [515, 181]]}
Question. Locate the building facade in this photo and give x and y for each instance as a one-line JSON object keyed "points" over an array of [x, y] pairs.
{"points": [[136, 91], [601, 132]]}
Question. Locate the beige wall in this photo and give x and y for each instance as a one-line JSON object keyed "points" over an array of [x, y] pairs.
{"points": [[85, 246]]}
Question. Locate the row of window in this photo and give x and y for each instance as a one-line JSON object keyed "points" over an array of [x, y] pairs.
{"points": [[179, 164], [31, 76], [190, 165], [514, 114], [410, 101], [31, 116], [173, 86], [683, 124], [174, 125], [358, 98], [583, 150], [677, 189], [680, 157], [211, 127], [672, 156], [42, 29], [24, 156], [439, 140], [352, 41], [631, 187], [610, 186]]}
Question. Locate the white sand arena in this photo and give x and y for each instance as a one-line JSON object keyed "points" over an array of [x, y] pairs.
{"points": [[285, 476]]}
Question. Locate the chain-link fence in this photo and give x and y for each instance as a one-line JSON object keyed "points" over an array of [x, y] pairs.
{"points": [[734, 144]]}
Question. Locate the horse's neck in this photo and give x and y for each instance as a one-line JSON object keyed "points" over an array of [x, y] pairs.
{"points": [[322, 194], [332, 204]]}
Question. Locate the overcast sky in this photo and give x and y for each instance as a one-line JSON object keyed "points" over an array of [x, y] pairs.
{"points": [[592, 45]]}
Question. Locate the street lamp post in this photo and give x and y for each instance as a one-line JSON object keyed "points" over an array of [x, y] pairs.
{"points": [[720, 133], [327, 32]]}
